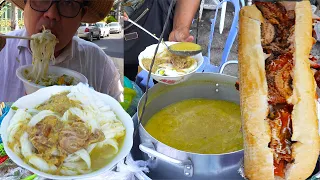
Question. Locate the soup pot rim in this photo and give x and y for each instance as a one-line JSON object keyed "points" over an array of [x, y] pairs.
{"points": [[158, 85], [141, 101]]}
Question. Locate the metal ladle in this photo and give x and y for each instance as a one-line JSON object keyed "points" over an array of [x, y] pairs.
{"points": [[193, 50]]}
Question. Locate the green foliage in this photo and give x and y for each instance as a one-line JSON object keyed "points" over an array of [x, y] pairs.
{"points": [[3, 10], [110, 19]]}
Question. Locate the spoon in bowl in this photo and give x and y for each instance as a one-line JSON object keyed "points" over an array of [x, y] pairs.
{"points": [[180, 49]]}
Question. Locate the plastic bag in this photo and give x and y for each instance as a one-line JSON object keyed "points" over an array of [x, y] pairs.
{"points": [[132, 95], [126, 169], [13, 172]]}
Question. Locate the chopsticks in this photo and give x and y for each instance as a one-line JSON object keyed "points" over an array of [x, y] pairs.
{"points": [[16, 37], [2, 106], [143, 29]]}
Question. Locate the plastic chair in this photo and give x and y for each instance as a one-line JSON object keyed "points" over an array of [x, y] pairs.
{"points": [[207, 66], [142, 79]]}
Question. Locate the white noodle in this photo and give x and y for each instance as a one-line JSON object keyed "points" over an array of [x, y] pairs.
{"points": [[83, 154], [42, 47]]}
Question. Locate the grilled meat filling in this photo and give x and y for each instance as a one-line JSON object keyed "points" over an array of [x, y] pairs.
{"points": [[268, 33], [279, 79], [281, 131], [276, 15]]}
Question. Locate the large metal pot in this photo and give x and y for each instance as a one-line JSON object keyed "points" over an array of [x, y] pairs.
{"points": [[166, 162]]}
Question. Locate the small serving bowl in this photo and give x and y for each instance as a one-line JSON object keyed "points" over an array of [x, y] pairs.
{"points": [[31, 87], [170, 80]]}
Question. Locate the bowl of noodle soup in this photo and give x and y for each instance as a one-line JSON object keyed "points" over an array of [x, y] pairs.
{"points": [[56, 76], [40, 74], [169, 68], [67, 132]]}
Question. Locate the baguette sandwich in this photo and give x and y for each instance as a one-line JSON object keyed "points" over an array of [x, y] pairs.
{"points": [[277, 91]]}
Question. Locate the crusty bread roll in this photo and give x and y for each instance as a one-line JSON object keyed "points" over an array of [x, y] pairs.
{"points": [[254, 100]]}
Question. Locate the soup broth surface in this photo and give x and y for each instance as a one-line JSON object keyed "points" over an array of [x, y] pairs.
{"points": [[199, 125]]}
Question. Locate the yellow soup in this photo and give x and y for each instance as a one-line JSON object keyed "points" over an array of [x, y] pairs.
{"points": [[199, 125], [185, 46]]}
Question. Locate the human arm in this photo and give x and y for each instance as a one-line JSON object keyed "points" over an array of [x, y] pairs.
{"points": [[183, 16], [116, 90], [111, 82], [125, 16]]}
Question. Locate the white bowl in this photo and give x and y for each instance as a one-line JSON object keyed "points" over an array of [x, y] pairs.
{"points": [[170, 80], [44, 94], [31, 87]]}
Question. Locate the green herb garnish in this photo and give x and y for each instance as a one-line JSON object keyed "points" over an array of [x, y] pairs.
{"points": [[14, 108]]}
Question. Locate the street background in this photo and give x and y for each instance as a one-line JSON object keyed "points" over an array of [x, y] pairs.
{"points": [[219, 40], [113, 47]]}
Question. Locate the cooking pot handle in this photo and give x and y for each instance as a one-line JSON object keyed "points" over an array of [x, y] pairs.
{"points": [[188, 166], [225, 64]]}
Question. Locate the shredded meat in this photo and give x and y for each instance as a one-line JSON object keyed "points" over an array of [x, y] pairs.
{"points": [[281, 132], [283, 81], [270, 59], [77, 136], [181, 64], [291, 14], [267, 33], [279, 79], [274, 49], [72, 144], [43, 135], [291, 39], [283, 21], [59, 103], [274, 12], [97, 136], [73, 138], [280, 123]]}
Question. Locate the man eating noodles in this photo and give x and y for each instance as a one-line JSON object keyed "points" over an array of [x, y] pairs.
{"points": [[63, 18]]}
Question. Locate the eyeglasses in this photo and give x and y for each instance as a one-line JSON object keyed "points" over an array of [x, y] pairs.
{"points": [[66, 8]]}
